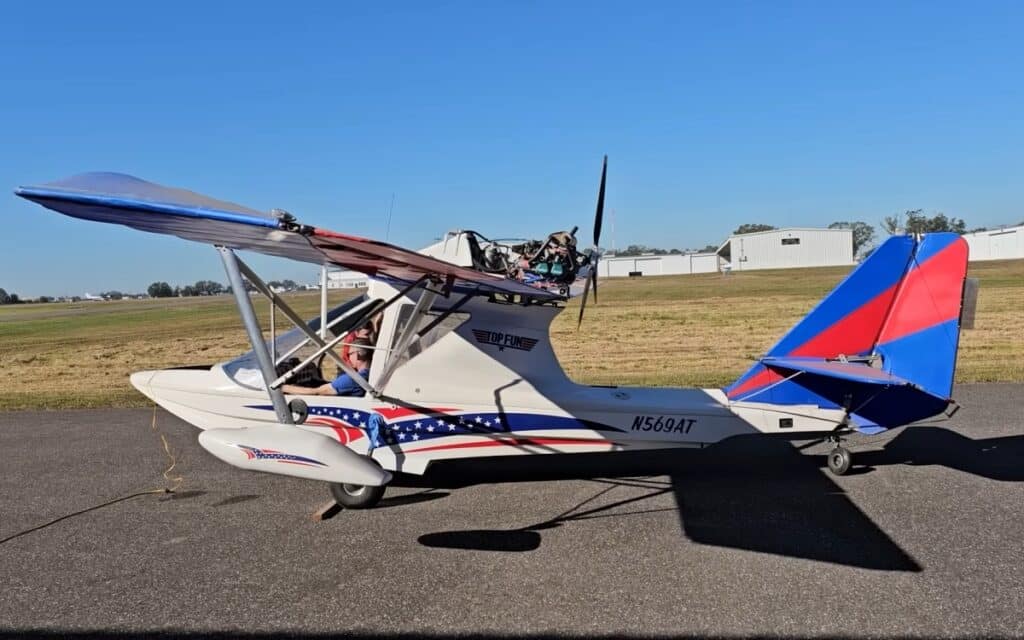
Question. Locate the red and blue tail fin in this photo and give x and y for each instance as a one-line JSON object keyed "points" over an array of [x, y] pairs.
{"points": [[897, 313]]}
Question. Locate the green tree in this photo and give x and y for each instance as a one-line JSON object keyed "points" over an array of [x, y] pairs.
{"points": [[4, 298], [863, 233], [915, 221], [160, 290], [752, 228]]}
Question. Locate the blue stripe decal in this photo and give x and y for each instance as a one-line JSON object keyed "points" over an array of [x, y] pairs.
{"points": [[927, 357], [933, 243], [52, 199]]}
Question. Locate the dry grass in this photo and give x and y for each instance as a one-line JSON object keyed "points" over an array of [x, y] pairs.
{"points": [[674, 330]]}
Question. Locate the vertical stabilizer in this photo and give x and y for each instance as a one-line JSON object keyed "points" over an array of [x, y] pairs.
{"points": [[898, 311]]}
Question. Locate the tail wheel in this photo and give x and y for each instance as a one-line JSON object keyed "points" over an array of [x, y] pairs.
{"points": [[356, 496], [839, 461]]}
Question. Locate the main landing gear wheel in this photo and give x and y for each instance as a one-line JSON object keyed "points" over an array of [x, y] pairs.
{"points": [[839, 461], [356, 496]]}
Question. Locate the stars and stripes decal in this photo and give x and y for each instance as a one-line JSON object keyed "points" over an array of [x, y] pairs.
{"points": [[254, 453], [412, 428]]}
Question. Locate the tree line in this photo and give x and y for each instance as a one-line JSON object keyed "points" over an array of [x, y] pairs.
{"points": [[160, 290], [211, 288]]}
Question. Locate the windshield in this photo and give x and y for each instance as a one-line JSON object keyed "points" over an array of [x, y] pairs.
{"points": [[245, 369]]}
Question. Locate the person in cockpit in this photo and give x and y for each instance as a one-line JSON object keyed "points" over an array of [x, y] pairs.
{"points": [[360, 356], [368, 331]]}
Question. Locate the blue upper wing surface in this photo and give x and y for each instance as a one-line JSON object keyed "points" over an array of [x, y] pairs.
{"points": [[126, 200]]}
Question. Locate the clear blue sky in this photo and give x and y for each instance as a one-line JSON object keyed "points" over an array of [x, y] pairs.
{"points": [[494, 116]]}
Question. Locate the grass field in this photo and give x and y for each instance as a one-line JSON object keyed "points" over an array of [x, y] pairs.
{"points": [[700, 330]]}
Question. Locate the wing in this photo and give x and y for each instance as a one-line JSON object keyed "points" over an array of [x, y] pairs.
{"points": [[122, 199]]}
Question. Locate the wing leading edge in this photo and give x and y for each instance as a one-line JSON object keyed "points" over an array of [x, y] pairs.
{"points": [[126, 200]]}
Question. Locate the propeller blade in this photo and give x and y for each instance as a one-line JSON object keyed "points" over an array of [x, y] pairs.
{"points": [[593, 274], [583, 303], [599, 216]]}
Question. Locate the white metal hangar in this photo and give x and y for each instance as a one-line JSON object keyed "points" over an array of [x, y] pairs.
{"points": [[1006, 243], [612, 266], [788, 248], [344, 279]]}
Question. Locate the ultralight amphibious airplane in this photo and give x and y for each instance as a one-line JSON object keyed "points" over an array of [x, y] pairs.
{"points": [[463, 365]]}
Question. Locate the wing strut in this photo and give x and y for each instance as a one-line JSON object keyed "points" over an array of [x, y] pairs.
{"points": [[252, 327]]}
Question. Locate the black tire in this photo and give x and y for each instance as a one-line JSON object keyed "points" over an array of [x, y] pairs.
{"points": [[299, 409], [839, 461], [356, 496]]}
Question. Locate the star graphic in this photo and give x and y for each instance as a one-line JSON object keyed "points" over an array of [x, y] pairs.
{"points": [[362, 425], [478, 420], [497, 420], [430, 428], [401, 436], [345, 417], [418, 424], [487, 423], [415, 436], [451, 427]]}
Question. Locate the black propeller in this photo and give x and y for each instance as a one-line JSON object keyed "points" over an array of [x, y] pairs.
{"points": [[594, 255]]}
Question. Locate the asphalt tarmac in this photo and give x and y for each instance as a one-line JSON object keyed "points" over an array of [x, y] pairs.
{"points": [[925, 537]]}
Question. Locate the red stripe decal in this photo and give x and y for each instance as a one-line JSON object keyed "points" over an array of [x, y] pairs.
{"points": [[403, 412], [760, 379], [345, 433], [854, 333], [929, 295], [509, 442]]}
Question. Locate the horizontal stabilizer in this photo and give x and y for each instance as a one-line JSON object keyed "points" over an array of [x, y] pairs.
{"points": [[873, 397], [853, 371], [292, 451]]}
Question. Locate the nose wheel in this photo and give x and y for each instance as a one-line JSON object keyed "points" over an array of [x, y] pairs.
{"points": [[839, 460], [356, 496]]}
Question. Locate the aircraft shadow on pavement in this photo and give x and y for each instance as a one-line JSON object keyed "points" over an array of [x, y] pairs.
{"points": [[999, 459], [752, 494]]}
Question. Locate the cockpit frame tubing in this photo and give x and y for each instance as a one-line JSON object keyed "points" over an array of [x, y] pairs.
{"points": [[409, 332], [311, 336], [324, 347]]}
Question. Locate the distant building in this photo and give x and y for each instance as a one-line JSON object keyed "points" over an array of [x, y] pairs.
{"points": [[787, 249], [612, 266], [342, 279], [1006, 243]]}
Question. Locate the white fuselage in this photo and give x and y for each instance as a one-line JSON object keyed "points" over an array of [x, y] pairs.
{"points": [[486, 382]]}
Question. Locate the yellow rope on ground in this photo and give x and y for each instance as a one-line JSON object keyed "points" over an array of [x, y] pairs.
{"points": [[176, 480]]}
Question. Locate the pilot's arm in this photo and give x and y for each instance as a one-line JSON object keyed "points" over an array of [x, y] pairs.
{"points": [[322, 390]]}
